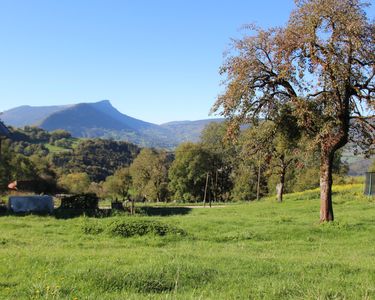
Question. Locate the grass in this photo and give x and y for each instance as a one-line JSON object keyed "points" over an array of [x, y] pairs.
{"points": [[55, 149], [259, 250]]}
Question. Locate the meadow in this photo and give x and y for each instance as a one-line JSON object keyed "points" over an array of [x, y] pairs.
{"points": [[256, 250]]}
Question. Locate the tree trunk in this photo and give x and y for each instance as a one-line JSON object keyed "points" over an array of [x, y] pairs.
{"points": [[216, 187], [326, 210], [280, 187], [205, 191], [258, 183], [132, 210]]}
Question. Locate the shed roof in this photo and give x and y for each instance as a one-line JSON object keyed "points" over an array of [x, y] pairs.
{"points": [[4, 131]]}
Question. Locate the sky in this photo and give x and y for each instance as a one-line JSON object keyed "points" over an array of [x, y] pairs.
{"points": [[155, 60]]}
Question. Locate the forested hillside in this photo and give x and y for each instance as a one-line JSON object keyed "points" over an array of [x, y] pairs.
{"points": [[35, 154]]}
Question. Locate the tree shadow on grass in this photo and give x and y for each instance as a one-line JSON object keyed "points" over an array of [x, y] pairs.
{"points": [[163, 211], [59, 213]]}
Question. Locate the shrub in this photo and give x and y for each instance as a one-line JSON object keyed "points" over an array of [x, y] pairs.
{"points": [[131, 227]]}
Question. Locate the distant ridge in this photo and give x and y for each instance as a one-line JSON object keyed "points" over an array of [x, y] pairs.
{"points": [[189, 131], [106, 107], [80, 118], [29, 115], [102, 120]]}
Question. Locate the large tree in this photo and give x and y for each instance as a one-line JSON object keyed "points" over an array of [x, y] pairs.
{"points": [[119, 183], [149, 173], [276, 146], [223, 159], [190, 171], [76, 183], [323, 64]]}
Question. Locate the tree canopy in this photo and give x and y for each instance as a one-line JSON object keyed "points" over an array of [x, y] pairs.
{"points": [[149, 173]]}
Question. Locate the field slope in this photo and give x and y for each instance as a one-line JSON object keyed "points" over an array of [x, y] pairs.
{"points": [[260, 250]]}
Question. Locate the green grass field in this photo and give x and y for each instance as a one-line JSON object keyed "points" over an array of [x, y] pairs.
{"points": [[57, 149], [259, 250]]}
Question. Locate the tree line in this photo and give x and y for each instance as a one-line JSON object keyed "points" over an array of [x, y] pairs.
{"points": [[214, 169]]}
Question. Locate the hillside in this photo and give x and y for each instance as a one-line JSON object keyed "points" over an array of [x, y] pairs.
{"points": [[258, 250], [102, 120], [35, 154]]}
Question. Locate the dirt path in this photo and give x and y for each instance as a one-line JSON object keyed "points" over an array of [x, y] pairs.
{"points": [[201, 206]]}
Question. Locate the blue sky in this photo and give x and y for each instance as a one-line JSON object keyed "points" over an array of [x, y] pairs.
{"points": [[156, 60]]}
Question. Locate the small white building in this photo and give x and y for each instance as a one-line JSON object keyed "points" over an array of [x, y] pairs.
{"points": [[25, 204]]}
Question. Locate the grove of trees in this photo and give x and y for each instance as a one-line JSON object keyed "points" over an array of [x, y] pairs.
{"points": [[214, 169]]}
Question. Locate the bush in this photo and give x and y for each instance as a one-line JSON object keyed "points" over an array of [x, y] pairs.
{"points": [[131, 227], [128, 228]]}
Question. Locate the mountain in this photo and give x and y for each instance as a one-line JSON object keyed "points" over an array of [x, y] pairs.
{"points": [[92, 117], [29, 115], [188, 131], [102, 120]]}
